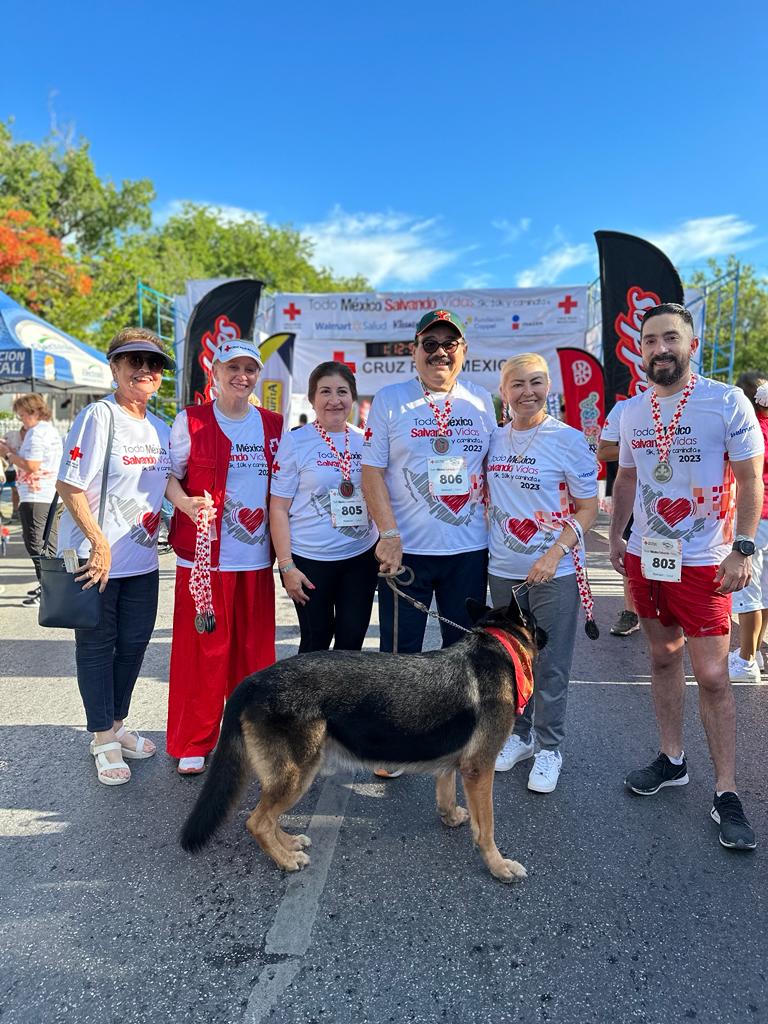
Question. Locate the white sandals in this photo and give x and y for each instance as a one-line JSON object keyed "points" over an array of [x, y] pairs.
{"points": [[139, 754], [99, 752], [191, 766]]}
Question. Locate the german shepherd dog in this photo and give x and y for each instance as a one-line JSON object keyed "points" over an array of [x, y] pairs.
{"points": [[432, 713]]}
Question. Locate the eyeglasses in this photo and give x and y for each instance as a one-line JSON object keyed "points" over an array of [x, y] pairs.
{"points": [[431, 345], [137, 359]]}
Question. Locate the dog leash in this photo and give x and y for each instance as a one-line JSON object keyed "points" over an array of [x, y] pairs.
{"points": [[582, 580], [406, 571]]}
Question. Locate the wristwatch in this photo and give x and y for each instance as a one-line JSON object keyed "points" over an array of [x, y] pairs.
{"points": [[744, 545]]}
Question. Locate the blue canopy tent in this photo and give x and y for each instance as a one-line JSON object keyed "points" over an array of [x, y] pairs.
{"points": [[35, 355]]}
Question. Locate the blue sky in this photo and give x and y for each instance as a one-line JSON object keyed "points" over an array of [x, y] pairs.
{"points": [[438, 145]]}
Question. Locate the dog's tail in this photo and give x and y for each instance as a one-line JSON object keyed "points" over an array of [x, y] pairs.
{"points": [[226, 776]]}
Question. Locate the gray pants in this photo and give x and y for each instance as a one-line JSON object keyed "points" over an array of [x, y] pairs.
{"points": [[555, 606]]}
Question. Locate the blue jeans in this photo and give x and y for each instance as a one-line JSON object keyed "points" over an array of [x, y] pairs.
{"points": [[451, 579], [109, 656]]}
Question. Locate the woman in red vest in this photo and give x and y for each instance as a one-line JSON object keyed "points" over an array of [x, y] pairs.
{"points": [[223, 450]]}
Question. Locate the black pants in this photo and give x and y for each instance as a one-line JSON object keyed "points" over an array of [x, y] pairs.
{"points": [[340, 605], [33, 515], [109, 656], [451, 579]]}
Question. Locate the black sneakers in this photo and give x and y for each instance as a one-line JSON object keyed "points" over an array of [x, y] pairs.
{"points": [[626, 624], [735, 831], [660, 773]]}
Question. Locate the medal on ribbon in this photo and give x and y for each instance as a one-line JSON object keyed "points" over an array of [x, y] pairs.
{"points": [[200, 577], [440, 444], [346, 487], [662, 472]]}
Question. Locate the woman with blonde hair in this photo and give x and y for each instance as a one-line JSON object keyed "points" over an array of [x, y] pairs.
{"points": [[36, 461], [542, 488]]}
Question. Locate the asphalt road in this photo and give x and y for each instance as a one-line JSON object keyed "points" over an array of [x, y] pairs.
{"points": [[632, 912]]}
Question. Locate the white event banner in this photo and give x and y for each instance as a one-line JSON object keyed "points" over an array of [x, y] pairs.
{"points": [[373, 331]]}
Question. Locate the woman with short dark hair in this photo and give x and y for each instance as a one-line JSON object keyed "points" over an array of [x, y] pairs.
{"points": [[323, 535], [121, 552], [36, 461]]}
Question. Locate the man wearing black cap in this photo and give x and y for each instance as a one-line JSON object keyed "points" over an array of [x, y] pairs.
{"points": [[423, 480]]}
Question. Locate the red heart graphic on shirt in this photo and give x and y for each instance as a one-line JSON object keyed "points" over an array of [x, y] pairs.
{"points": [[250, 518], [673, 511], [523, 529], [150, 521], [455, 502]]}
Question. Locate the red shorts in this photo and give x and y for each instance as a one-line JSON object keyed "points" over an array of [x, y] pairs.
{"points": [[691, 604]]}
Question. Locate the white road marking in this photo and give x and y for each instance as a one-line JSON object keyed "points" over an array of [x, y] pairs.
{"points": [[291, 930]]}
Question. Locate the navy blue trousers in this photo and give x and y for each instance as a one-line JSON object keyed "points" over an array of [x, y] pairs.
{"points": [[450, 579], [109, 656]]}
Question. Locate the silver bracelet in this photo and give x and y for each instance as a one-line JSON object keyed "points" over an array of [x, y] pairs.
{"points": [[389, 534], [566, 549], [282, 569]]}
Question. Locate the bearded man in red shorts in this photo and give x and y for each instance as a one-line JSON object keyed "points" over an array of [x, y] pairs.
{"points": [[691, 458]]}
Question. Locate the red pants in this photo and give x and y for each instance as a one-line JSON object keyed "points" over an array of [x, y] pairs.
{"points": [[206, 667]]}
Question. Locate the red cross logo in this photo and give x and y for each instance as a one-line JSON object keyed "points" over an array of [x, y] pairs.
{"points": [[227, 348], [567, 304], [368, 434], [275, 466], [339, 358], [292, 312], [75, 454]]}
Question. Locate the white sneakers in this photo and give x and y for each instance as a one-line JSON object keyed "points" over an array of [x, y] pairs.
{"points": [[546, 765], [513, 751], [741, 671], [545, 771]]}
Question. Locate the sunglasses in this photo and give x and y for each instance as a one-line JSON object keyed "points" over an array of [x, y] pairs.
{"points": [[137, 359], [431, 345]]}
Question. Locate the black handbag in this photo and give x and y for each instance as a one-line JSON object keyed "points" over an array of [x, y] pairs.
{"points": [[63, 602]]}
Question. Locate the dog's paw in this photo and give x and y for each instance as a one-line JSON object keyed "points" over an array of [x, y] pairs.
{"points": [[455, 817], [509, 870], [300, 842], [295, 861]]}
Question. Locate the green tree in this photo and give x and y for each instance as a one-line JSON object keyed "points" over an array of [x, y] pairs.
{"points": [[751, 333], [58, 184]]}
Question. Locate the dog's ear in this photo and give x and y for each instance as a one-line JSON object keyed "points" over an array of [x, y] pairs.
{"points": [[475, 609], [513, 613], [540, 637]]}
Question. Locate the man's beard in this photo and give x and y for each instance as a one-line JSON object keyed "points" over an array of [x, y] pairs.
{"points": [[667, 373]]}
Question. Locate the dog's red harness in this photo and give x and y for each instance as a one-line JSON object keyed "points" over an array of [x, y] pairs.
{"points": [[521, 659]]}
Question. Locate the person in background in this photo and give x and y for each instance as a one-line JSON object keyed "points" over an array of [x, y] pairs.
{"points": [[323, 536], [542, 500], [303, 420], [221, 457], [36, 462], [122, 553], [608, 451], [751, 603], [13, 439]]}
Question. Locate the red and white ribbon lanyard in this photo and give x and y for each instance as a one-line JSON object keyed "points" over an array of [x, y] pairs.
{"points": [[346, 487], [665, 438], [440, 444], [442, 416], [582, 580], [200, 577]]}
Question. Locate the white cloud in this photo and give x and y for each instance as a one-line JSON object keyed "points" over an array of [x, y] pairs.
{"points": [[511, 232], [554, 263], [477, 281], [227, 214], [706, 236], [390, 247]]}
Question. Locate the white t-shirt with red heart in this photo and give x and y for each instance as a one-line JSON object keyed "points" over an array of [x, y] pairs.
{"points": [[245, 523], [399, 438], [528, 498], [306, 470], [698, 504], [138, 473]]}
